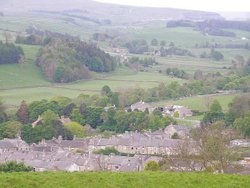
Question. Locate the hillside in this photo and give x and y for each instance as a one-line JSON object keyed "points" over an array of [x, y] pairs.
{"points": [[94, 11], [104, 179]]}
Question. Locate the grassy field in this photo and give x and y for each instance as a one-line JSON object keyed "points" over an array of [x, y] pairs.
{"points": [[201, 103], [26, 81], [182, 36], [19, 22], [126, 180], [22, 75]]}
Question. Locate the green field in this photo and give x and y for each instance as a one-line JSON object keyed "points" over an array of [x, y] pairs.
{"points": [[26, 81], [182, 36], [201, 103], [118, 180], [22, 75]]}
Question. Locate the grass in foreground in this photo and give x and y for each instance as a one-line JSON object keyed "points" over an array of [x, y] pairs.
{"points": [[112, 180]]}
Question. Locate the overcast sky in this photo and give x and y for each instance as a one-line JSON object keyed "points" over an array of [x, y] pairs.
{"points": [[207, 5]]}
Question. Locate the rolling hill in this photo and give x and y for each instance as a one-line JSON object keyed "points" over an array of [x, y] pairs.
{"points": [[92, 10]]}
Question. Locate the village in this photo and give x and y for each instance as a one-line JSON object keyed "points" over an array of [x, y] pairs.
{"points": [[136, 150], [79, 154]]}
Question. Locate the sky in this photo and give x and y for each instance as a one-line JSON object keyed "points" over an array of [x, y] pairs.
{"points": [[205, 5]]}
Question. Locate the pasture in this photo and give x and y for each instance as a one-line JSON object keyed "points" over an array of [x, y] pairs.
{"points": [[202, 102], [26, 81], [126, 180]]}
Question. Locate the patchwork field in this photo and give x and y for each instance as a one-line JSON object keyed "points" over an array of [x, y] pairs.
{"points": [[26, 81]]}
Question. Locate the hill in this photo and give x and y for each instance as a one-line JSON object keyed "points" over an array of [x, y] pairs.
{"points": [[93, 11], [107, 179]]}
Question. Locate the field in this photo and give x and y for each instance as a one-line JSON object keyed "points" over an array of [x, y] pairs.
{"points": [[182, 36], [129, 180], [26, 81], [202, 102]]}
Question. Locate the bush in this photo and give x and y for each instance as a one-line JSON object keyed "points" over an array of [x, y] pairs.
{"points": [[13, 166], [108, 151], [152, 166]]}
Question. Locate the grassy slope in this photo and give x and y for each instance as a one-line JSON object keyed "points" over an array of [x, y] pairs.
{"points": [[22, 75], [181, 36], [201, 102], [112, 180], [26, 82]]}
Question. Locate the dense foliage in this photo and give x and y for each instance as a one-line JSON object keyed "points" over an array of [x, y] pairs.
{"points": [[137, 46], [108, 151], [32, 40], [172, 50], [152, 166], [9, 53], [175, 72], [68, 60], [10, 129], [13, 166]]}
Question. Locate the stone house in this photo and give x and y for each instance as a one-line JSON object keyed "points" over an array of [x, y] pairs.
{"points": [[142, 106], [182, 111], [7, 145], [183, 132]]}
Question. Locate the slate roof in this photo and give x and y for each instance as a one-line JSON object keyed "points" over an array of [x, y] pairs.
{"points": [[6, 144]]}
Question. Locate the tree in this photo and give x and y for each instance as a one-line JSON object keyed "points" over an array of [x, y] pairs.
{"points": [[216, 55], [109, 122], [243, 125], [49, 117], [10, 54], [22, 113], [212, 146], [13, 166], [93, 116], [67, 111], [36, 134], [154, 42], [10, 129], [152, 166], [198, 75], [77, 116], [215, 106], [163, 43], [171, 44], [3, 115], [76, 129], [106, 91], [215, 113]]}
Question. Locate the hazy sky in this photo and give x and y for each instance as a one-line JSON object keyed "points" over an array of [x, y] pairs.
{"points": [[209, 5]]}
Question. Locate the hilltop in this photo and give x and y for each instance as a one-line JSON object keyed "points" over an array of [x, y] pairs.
{"points": [[109, 13]]}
